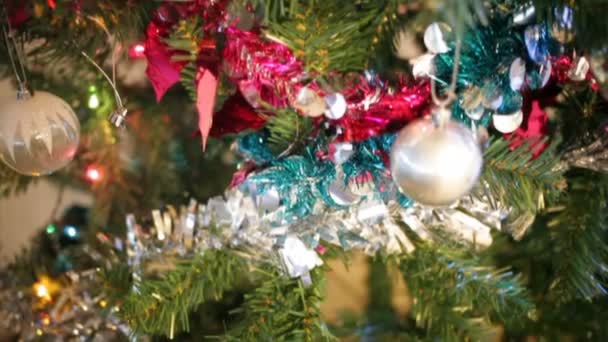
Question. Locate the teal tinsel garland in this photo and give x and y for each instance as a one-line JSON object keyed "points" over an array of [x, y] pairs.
{"points": [[486, 56], [303, 179]]}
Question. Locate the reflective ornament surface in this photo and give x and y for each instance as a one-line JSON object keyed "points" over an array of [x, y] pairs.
{"points": [[537, 44], [39, 133], [435, 165], [517, 74], [580, 68], [422, 66], [524, 14], [436, 37], [336, 106], [508, 123]]}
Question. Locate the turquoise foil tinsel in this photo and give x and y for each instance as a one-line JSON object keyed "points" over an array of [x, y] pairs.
{"points": [[486, 57], [303, 180]]}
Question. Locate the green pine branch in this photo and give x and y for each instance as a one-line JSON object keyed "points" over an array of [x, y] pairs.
{"points": [[282, 309], [329, 35], [517, 179], [61, 31], [458, 298], [577, 230], [162, 305], [288, 129]]}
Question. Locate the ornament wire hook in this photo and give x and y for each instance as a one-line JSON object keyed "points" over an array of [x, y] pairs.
{"points": [[451, 91], [111, 81], [11, 43], [112, 84]]}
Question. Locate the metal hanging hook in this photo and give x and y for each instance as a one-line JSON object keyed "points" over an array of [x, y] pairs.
{"points": [[16, 59]]}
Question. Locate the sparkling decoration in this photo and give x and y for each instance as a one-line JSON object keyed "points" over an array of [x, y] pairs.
{"points": [[309, 103], [341, 152], [298, 259], [336, 106], [563, 24], [537, 44], [593, 156], [373, 111], [598, 61], [422, 66], [341, 194], [545, 73], [472, 102], [517, 73], [435, 165], [475, 113], [508, 123], [76, 312], [39, 133], [266, 68], [435, 37], [579, 70], [524, 14], [492, 96]]}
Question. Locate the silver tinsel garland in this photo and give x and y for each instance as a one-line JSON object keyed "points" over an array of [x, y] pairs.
{"points": [[245, 221]]}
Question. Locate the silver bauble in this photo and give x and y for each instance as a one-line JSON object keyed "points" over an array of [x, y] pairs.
{"points": [[435, 165], [39, 133]]}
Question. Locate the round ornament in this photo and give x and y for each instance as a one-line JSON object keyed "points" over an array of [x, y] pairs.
{"points": [[435, 164], [39, 133]]}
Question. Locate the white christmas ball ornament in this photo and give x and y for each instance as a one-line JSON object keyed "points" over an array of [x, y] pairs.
{"points": [[39, 133], [435, 164]]}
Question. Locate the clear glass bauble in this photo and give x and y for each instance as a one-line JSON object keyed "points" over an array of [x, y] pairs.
{"points": [[39, 133]]}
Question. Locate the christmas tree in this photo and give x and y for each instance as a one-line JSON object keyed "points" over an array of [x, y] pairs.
{"points": [[458, 144]]}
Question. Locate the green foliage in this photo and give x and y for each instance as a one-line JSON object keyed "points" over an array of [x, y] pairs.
{"points": [[456, 297], [161, 306], [331, 35], [288, 130], [282, 309], [577, 230], [186, 37], [62, 30], [517, 179], [580, 115]]}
